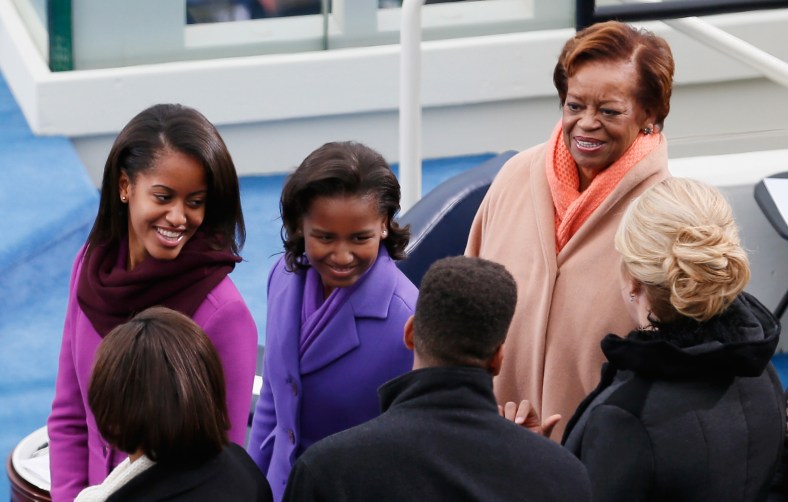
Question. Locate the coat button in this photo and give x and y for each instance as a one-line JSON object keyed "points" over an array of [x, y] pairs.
{"points": [[291, 436]]}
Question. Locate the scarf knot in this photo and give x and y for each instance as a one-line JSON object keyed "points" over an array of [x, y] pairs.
{"points": [[572, 207], [110, 295]]}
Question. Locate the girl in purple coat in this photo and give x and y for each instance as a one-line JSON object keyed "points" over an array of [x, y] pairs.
{"points": [[337, 305], [168, 232]]}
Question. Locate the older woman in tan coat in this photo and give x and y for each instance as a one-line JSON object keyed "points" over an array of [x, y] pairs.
{"points": [[552, 211]]}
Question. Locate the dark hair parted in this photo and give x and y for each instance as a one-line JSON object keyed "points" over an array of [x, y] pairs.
{"points": [[151, 133], [463, 311], [157, 385], [340, 169], [613, 41]]}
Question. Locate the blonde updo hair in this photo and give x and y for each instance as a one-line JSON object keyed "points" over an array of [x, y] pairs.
{"points": [[679, 240]]}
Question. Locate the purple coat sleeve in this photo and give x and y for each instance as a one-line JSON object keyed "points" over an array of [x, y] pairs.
{"points": [[67, 424], [264, 412], [263, 423], [226, 320]]}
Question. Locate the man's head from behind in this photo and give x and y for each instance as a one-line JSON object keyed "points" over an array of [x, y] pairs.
{"points": [[462, 315]]}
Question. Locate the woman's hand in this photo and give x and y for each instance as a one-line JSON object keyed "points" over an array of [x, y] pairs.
{"points": [[526, 415]]}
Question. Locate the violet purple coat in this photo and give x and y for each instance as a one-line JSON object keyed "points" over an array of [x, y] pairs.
{"points": [[334, 386], [79, 457]]}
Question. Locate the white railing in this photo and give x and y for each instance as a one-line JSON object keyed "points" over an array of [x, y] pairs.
{"points": [[771, 67], [410, 103]]}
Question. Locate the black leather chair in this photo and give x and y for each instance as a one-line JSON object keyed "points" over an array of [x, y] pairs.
{"points": [[440, 221], [769, 208]]}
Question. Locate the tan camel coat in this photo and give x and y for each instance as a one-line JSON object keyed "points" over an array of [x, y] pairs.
{"points": [[567, 303]]}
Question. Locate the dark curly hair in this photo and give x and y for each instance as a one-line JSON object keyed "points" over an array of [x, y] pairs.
{"points": [[463, 311], [147, 136], [339, 169]]}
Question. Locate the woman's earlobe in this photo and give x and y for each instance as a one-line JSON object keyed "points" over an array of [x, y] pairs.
{"points": [[635, 289], [123, 182]]}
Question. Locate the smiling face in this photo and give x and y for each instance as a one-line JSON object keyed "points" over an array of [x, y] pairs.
{"points": [[342, 236], [166, 206], [601, 117]]}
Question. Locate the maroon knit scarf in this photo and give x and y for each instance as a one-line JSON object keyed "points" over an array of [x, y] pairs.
{"points": [[110, 295]]}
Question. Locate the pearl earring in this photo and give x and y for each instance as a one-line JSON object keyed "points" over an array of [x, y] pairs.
{"points": [[123, 198], [384, 234]]}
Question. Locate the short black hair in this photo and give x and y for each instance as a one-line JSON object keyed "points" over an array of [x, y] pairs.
{"points": [[158, 385], [464, 309], [340, 169]]}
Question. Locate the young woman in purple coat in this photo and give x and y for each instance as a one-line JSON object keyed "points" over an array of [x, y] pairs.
{"points": [[168, 232], [337, 305]]}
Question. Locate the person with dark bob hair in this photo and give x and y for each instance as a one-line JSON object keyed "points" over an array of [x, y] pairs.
{"points": [[157, 393], [440, 436], [168, 232], [551, 213], [689, 406], [337, 304]]}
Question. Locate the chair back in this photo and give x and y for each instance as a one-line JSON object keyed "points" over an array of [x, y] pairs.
{"points": [[440, 221]]}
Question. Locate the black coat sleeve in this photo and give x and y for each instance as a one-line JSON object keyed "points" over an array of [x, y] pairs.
{"points": [[302, 486], [617, 452]]}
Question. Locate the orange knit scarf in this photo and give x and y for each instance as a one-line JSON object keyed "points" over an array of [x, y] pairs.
{"points": [[572, 207]]}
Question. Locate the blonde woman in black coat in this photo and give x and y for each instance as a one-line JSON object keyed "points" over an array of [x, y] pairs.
{"points": [[689, 406]]}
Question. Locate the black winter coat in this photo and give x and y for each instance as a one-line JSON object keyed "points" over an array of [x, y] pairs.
{"points": [[689, 411], [439, 438], [231, 475]]}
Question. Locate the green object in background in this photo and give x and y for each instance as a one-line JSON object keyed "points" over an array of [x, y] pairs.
{"points": [[61, 46]]}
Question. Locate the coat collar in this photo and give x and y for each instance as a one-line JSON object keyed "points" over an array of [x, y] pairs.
{"points": [[464, 387], [544, 211], [738, 342], [340, 336], [161, 482], [650, 170]]}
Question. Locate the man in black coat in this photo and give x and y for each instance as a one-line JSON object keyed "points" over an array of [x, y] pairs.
{"points": [[440, 436]]}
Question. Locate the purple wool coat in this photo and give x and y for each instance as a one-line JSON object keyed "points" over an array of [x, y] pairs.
{"points": [[334, 386], [79, 456]]}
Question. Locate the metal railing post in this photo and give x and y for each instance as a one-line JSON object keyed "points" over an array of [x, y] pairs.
{"points": [[770, 66], [410, 103], [677, 16]]}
